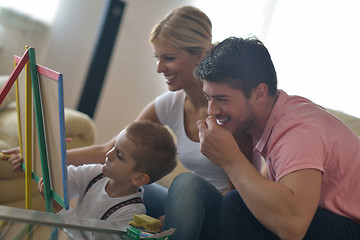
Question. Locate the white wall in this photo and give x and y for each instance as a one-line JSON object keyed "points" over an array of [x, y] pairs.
{"points": [[16, 32], [131, 80], [71, 42], [315, 46]]}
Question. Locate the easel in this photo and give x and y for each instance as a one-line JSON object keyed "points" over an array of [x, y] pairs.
{"points": [[34, 100]]}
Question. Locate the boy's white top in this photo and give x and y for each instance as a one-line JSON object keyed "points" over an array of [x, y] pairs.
{"points": [[170, 111], [96, 202]]}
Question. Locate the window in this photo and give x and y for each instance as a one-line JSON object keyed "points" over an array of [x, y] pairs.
{"points": [[43, 10]]}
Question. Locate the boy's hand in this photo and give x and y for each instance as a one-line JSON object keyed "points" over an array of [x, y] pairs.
{"points": [[57, 207], [41, 187], [13, 157]]}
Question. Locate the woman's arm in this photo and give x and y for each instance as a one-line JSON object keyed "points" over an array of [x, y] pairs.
{"points": [[148, 113], [77, 156], [96, 153], [90, 154]]}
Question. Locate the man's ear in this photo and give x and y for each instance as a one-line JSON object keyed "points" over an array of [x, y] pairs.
{"points": [[140, 179], [260, 92]]}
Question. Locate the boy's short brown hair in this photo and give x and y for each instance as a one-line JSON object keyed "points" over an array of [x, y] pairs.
{"points": [[156, 151]]}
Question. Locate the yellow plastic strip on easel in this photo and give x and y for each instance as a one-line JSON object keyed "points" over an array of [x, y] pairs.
{"points": [[19, 125], [18, 111], [3, 224], [28, 135]]}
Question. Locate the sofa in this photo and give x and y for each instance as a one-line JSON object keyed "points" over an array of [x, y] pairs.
{"points": [[79, 127]]}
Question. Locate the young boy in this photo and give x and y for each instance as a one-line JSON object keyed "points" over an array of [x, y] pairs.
{"points": [[143, 153]]}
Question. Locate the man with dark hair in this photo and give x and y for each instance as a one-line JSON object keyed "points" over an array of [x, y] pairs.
{"points": [[313, 159]]}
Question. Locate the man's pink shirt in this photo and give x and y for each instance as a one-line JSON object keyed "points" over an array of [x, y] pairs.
{"points": [[302, 135]]}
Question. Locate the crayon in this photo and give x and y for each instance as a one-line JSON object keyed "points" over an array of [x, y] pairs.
{"points": [[5, 155]]}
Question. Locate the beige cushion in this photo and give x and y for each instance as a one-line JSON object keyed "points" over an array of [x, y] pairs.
{"points": [[352, 122], [9, 127], [80, 128]]}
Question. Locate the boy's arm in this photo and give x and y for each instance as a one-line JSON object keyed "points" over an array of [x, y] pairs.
{"points": [[125, 214], [56, 206]]}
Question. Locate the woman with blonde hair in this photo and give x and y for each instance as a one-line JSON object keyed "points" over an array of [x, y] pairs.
{"points": [[180, 41]]}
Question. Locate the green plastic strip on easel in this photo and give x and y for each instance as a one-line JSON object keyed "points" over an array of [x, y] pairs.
{"points": [[40, 130]]}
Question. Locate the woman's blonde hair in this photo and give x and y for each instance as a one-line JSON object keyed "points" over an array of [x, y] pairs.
{"points": [[187, 28]]}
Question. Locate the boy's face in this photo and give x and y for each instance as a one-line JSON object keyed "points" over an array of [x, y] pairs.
{"points": [[119, 162]]}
